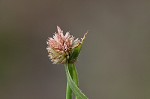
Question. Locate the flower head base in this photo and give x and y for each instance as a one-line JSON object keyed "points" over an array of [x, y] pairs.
{"points": [[61, 46]]}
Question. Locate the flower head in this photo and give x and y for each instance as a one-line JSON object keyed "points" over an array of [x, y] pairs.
{"points": [[61, 46]]}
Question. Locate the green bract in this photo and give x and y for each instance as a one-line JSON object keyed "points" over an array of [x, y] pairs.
{"points": [[76, 51], [72, 75], [74, 55]]}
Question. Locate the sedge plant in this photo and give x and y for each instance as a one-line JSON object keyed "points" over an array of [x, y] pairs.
{"points": [[65, 49]]}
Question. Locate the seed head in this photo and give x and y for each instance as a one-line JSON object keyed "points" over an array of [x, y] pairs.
{"points": [[61, 46]]}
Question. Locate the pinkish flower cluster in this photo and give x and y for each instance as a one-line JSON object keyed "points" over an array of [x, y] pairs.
{"points": [[61, 46]]}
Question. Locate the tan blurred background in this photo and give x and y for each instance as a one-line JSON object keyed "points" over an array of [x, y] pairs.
{"points": [[114, 62]]}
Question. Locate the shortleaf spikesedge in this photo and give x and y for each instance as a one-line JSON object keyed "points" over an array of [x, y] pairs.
{"points": [[65, 49]]}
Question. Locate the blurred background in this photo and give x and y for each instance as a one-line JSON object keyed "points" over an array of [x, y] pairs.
{"points": [[114, 62]]}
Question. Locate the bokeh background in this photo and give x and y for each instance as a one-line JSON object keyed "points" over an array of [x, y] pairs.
{"points": [[114, 62]]}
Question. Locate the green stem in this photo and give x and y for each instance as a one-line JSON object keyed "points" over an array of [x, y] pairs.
{"points": [[75, 76], [68, 89], [70, 70], [68, 92]]}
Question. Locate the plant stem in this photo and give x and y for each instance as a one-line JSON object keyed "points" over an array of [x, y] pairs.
{"points": [[68, 92], [75, 89], [68, 89], [75, 76]]}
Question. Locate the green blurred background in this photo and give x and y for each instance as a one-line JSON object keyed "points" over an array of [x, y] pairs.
{"points": [[114, 62]]}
